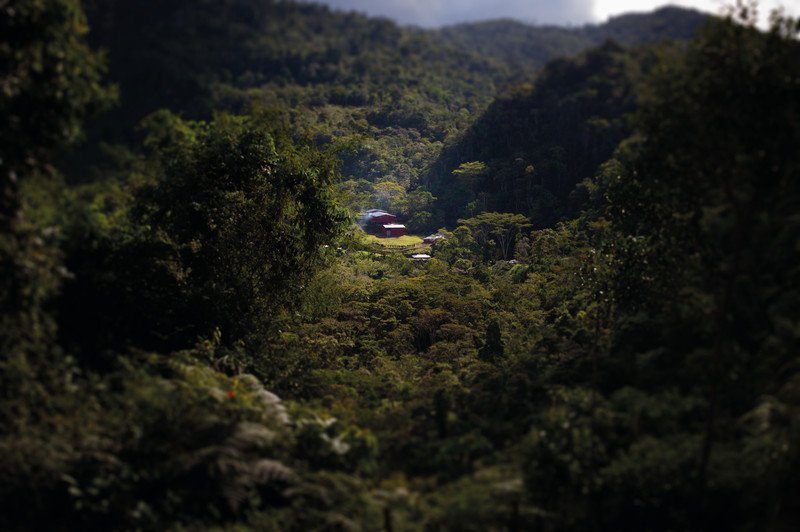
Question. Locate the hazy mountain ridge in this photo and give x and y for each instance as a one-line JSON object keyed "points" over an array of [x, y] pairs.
{"points": [[177, 56], [527, 47], [340, 77]]}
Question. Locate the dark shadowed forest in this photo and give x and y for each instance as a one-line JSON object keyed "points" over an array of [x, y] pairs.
{"points": [[201, 328]]}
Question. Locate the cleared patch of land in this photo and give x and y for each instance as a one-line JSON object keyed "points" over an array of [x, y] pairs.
{"points": [[392, 243]]}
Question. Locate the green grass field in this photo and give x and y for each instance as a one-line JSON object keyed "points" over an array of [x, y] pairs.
{"points": [[399, 242]]}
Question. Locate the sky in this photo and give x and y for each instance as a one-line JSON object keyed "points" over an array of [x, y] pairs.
{"points": [[431, 13]]}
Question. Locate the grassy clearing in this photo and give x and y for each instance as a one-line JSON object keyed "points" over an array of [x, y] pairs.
{"points": [[399, 242]]}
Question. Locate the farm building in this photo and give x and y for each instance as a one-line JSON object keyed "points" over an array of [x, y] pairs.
{"points": [[376, 217], [394, 230], [381, 223]]}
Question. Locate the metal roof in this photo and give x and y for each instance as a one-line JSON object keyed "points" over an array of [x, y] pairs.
{"points": [[369, 215]]}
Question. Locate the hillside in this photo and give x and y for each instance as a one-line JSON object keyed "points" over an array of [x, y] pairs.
{"points": [[538, 141], [526, 48], [387, 96], [194, 56], [179, 54], [196, 335]]}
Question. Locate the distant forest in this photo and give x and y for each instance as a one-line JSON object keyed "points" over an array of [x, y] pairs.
{"points": [[196, 334]]}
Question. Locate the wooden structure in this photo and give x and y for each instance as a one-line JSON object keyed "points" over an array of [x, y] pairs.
{"points": [[394, 230], [381, 223], [376, 217]]}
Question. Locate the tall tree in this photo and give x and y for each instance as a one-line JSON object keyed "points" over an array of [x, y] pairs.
{"points": [[500, 228], [232, 222], [705, 198], [50, 80]]}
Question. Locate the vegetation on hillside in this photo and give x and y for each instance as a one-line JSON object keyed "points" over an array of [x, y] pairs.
{"points": [[386, 98], [526, 48], [531, 150], [195, 335]]}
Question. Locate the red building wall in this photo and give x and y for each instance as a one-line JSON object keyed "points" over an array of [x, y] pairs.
{"points": [[395, 232], [383, 219]]}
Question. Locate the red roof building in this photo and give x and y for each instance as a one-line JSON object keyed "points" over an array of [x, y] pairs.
{"points": [[377, 217], [383, 218]]}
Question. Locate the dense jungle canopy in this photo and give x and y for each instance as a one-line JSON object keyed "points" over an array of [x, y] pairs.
{"points": [[196, 334]]}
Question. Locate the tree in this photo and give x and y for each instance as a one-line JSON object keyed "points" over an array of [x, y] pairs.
{"points": [[704, 198], [420, 202], [391, 196], [469, 174], [504, 227], [492, 348], [50, 83], [246, 219], [466, 181], [228, 227]]}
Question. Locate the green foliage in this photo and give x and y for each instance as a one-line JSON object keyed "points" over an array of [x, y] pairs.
{"points": [[50, 81], [527, 47], [539, 141], [338, 77], [161, 442], [244, 222], [633, 368], [700, 200], [494, 233], [222, 237], [392, 94], [492, 348]]}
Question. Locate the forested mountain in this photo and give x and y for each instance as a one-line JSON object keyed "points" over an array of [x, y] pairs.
{"points": [[526, 48], [532, 146], [175, 54], [669, 23], [537, 141], [195, 335], [193, 57], [389, 95]]}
